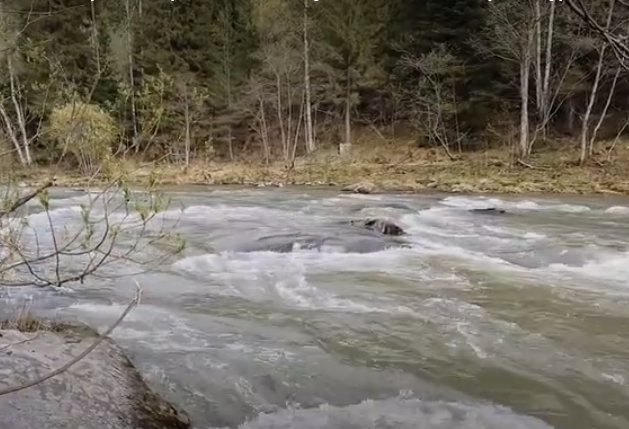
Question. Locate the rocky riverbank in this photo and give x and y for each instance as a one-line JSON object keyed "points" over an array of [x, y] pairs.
{"points": [[101, 391], [482, 172]]}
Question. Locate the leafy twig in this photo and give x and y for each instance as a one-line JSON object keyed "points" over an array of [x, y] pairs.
{"points": [[26, 198]]}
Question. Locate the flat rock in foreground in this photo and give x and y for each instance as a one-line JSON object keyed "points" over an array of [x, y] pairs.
{"points": [[102, 391]]}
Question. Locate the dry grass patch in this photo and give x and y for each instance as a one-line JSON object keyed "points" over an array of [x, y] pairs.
{"points": [[396, 165], [25, 321]]}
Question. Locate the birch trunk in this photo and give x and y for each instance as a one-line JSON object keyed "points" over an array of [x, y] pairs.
{"points": [[310, 144], [525, 71], [585, 124]]}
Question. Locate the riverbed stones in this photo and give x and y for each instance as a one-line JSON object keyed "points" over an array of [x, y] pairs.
{"points": [[360, 188], [102, 391], [269, 185]]}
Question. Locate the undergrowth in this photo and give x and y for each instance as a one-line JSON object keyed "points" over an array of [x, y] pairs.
{"points": [[393, 166]]}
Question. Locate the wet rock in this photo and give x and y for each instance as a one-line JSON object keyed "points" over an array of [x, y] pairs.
{"points": [[360, 188], [489, 211], [463, 188], [284, 243], [382, 226], [269, 185], [102, 391]]}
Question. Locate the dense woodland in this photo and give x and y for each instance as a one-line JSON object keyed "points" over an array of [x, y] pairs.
{"points": [[225, 79]]}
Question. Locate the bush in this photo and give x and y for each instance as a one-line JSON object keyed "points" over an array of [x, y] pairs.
{"points": [[86, 131]]}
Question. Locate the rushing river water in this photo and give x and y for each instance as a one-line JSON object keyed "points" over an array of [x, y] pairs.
{"points": [[282, 315]]}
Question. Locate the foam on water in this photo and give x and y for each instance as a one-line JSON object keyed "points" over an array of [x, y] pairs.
{"points": [[441, 231], [40, 220], [613, 268], [513, 233], [388, 261], [159, 328], [484, 202], [299, 293], [617, 210], [430, 232], [364, 197], [432, 248], [268, 275], [441, 237], [396, 413], [424, 227], [231, 213], [91, 197]]}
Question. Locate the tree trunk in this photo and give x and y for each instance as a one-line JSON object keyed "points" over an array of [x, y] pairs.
{"points": [[230, 143], [280, 111], [228, 85], [538, 56], [19, 113], [187, 137], [291, 162], [347, 144], [601, 119], [546, 103], [134, 119], [95, 41], [525, 70], [543, 49], [310, 144], [585, 124], [571, 115], [10, 131], [289, 118], [264, 132]]}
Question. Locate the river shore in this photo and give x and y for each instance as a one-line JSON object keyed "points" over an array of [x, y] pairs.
{"points": [[380, 171]]}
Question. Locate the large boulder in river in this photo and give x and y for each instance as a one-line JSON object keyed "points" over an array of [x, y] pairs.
{"points": [[101, 391], [383, 226], [360, 188]]}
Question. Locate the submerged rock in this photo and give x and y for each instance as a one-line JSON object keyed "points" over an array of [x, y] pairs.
{"points": [[102, 391], [490, 211], [383, 226], [287, 243], [282, 243]]}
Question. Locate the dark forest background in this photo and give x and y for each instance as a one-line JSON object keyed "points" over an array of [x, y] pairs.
{"points": [[275, 79]]}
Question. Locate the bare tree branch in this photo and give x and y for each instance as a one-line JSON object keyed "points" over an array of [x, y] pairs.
{"points": [[26, 198], [618, 43], [8, 346]]}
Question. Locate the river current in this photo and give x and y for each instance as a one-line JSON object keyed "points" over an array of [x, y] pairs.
{"points": [[280, 314]]}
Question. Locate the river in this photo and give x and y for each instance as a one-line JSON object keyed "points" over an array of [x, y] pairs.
{"points": [[280, 314]]}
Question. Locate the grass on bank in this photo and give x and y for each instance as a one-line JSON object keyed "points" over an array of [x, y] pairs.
{"points": [[24, 321], [391, 166]]}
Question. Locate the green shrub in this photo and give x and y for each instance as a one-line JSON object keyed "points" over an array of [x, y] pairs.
{"points": [[87, 132]]}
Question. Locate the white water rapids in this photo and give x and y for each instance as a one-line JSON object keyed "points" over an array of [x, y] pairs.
{"points": [[280, 314]]}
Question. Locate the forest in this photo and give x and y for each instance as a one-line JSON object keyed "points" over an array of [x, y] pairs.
{"points": [[84, 82]]}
